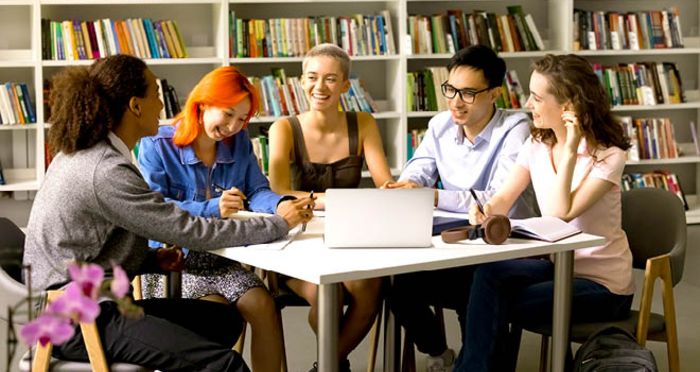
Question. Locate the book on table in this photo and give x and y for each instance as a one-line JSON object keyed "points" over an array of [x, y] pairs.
{"points": [[547, 228]]}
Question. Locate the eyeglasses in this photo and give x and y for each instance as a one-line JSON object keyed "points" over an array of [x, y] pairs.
{"points": [[467, 95]]}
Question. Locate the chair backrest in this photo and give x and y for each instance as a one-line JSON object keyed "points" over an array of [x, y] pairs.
{"points": [[12, 291], [654, 220], [11, 248]]}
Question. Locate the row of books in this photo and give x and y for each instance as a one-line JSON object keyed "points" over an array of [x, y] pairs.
{"points": [[359, 35], [597, 30], [423, 90], [284, 96], [413, 140], [512, 95], [448, 33], [16, 105], [651, 138], [140, 37], [171, 103], [660, 179], [644, 83]]}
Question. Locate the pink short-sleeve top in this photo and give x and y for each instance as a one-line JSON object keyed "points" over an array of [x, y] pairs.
{"points": [[611, 264]]}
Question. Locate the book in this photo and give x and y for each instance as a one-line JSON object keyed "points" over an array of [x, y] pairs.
{"points": [[694, 133], [2, 176], [547, 228]]}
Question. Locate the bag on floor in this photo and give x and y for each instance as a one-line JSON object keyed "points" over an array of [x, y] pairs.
{"points": [[613, 349]]}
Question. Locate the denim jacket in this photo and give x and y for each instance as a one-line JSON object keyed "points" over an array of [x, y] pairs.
{"points": [[183, 179]]}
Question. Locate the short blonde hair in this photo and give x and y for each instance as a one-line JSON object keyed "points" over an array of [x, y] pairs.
{"points": [[331, 51]]}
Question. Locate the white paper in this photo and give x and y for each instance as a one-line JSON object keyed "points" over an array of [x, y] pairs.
{"points": [[278, 244]]}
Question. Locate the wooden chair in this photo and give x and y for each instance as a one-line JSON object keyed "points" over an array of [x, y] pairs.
{"points": [[285, 298], [654, 221]]}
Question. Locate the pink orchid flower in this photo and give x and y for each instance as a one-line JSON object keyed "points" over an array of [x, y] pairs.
{"points": [[120, 285], [73, 304], [47, 328], [88, 277]]}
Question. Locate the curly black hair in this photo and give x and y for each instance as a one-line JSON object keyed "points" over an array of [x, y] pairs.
{"points": [[89, 101]]}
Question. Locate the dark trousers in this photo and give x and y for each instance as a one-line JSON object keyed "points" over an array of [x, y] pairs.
{"points": [[174, 335], [411, 296], [522, 292]]}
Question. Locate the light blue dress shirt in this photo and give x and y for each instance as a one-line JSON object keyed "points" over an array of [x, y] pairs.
{"points": [[483, 165]]}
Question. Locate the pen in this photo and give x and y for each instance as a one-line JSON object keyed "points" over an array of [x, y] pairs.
{"points": [[476, 199], [220, 190], [303, 226]]}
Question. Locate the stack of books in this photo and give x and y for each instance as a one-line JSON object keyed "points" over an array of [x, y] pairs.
{"points": [[143, 38], [284, 96], [633, 30], [651, 138], [358, 34], [660, 179], [413, 140], [171, 104], [448, 33], [644, 83], [16, 106]]}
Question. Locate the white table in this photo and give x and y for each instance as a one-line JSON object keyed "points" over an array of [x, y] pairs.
{"points": [[306, 258]]}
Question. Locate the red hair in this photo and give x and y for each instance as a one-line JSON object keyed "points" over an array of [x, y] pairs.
{"points": [[224, 87]]}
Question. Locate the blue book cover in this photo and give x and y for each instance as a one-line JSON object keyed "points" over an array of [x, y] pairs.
{"points": [[152, 44], [382, 36]]}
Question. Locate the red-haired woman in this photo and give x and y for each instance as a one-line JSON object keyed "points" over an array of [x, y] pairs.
{"points": [[190, 162]]}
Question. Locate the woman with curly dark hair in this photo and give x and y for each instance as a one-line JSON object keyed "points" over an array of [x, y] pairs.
{"points": [[574, 160], [95, 207]]}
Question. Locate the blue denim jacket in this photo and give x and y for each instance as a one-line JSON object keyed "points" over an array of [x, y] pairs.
{"points": [[183, 179]]}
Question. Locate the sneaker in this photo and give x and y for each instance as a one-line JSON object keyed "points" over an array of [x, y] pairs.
{"points": [[343, 366], [442, 363]]}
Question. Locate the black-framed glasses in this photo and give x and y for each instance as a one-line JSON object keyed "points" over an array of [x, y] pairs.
{"points": [[467, 95]]}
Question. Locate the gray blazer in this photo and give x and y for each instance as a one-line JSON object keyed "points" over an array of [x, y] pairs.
{"points": [[94, 206]]}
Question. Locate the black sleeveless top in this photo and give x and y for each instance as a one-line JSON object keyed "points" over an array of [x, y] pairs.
{"points": [[344, 173]]}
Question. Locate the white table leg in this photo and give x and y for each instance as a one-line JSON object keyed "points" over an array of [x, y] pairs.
{"points": [[328, 327], [563, 284], [391, 335]]}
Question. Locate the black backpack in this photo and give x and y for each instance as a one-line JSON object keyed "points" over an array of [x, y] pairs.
{"points": [[613, 349]]}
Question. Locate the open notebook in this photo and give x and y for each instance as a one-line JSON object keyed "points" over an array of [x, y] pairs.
{"points": [[547, 228]]}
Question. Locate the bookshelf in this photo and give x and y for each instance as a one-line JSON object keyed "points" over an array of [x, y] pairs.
{"points": [[204, 28]]}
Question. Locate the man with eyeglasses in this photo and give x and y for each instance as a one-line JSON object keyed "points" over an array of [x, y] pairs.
{"points": [[474, 145]]}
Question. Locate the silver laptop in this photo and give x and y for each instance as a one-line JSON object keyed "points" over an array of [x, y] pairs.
{"points": [[377, 218]]}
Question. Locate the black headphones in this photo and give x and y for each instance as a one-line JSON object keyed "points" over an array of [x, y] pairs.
{"points": [[495, 230]]}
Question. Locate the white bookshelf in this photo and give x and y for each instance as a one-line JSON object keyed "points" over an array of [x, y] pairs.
{"points": [[204, 27]]}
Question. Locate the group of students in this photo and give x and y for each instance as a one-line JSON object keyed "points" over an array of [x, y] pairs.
{"points": [[97, 206]]}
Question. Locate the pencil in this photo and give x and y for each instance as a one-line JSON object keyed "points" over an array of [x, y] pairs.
{"points": [[476, 199], [303, 226]]}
